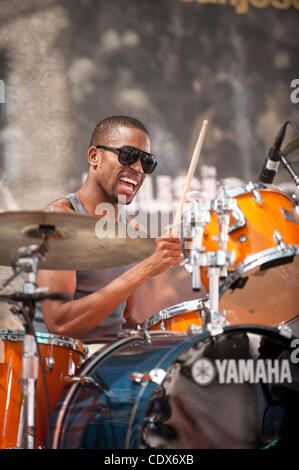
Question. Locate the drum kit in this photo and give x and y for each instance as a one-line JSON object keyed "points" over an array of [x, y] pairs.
{"points": [[194, 376], [217, 372], [43, 362]]}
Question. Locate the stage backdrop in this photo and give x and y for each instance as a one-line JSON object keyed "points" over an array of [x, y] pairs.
{"points": [[65, 65]]}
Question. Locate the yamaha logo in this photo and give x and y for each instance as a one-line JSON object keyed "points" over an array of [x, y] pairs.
{"points": [[203, 371], [240, 371]]}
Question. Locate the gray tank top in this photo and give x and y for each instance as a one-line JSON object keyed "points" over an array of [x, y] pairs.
{"points": [[88, 282]]}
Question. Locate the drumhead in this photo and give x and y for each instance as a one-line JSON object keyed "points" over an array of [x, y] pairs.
{"points": [[238, 389], [255, 295], [248, 188]]}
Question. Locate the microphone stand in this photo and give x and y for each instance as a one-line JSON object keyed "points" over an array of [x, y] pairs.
{"points": [[289, 168], [290, 148], [218, 261]]}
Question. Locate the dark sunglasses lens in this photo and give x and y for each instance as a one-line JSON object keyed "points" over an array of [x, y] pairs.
{"points": [[128, 155], [148, 163]]}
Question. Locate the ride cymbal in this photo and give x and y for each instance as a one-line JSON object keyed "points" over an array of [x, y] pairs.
{"points": [[74, 242]]}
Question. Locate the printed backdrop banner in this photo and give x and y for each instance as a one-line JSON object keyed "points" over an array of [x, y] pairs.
{"points": [[65, 65]]}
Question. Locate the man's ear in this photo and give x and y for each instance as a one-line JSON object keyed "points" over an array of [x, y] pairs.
{"points": [[93, 156]]}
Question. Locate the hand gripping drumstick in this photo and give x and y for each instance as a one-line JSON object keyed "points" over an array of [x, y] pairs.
{"points": [[190, 174]]}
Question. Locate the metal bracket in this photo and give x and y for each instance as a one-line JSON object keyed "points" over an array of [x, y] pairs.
{"points": [[285, 331], [86, 380], [146, 336], [50, 362], [279, 240], [237, 214], [155, 375]]}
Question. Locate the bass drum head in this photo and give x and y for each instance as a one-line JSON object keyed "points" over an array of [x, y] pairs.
{"points": [[236, 390], [263, 296]]}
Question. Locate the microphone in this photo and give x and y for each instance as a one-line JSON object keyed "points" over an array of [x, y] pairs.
{"points": [[272, 161]]}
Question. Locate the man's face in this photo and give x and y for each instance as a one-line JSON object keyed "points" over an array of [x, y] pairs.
{"points": [[120, 183]]}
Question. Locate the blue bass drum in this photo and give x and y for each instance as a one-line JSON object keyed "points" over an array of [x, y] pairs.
{"points": [[237, 389]]}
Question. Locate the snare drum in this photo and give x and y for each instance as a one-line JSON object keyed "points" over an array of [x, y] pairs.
{"points": [[263, 284], [178, 317], [61, 357], [237, 389]]}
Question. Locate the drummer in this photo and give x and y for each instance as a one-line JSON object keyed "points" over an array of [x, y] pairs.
{"points": [[103, 300]]}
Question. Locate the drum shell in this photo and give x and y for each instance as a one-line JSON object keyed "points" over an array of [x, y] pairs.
{"points": [[178, 317], [255, 247], [61, 356], [261, 221], [179, 323], [120, 406]]}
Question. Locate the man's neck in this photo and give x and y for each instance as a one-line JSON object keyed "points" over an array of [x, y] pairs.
{"points": [[91, 197]]}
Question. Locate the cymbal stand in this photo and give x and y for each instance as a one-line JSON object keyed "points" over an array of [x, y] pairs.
{"points": [[216, 261], [27, 261], [219, 261], [199, 216]]}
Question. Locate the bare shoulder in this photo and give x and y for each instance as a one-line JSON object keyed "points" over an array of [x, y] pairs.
{"points": [[62, 205]]}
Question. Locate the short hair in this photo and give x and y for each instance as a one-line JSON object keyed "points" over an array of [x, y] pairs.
{"points": [[104, 128]]}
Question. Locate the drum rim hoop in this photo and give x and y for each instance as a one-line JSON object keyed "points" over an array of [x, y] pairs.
{"points": [[249, 328], [253, 261], [170, 312], [46, 338], [245, 189]]}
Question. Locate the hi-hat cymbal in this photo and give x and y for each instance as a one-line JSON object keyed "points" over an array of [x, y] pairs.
{"points": [[75, 242]]}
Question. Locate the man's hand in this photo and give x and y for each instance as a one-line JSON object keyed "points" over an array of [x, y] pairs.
{"points": [[166, 255]]}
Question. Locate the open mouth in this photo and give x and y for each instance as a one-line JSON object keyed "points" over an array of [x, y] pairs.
{"points": [[128, 184]]}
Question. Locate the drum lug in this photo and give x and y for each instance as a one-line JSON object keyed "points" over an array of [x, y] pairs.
{"points": [[285, 331], [250, 187], [279, 240], [257, 197], [139, 378], [50, 362], [126, 333], [237, 214], [215, 329], [86, 380], [194, 330], [155, 375], [144, 333]]}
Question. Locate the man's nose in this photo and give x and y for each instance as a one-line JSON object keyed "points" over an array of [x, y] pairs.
{"points": [[137, 166]]}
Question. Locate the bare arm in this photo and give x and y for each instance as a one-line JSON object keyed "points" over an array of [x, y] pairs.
{"points": [[130, 323], [76, 317]]}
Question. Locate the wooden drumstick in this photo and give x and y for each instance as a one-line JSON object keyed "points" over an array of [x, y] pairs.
{"points": [[190, 173]]}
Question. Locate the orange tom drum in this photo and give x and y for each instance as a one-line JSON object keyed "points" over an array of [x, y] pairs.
{"points": [[178, 317], [61, 356], [262, 286]]}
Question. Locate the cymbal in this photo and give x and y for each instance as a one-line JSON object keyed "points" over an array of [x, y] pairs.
{"points": [[75, 242]]}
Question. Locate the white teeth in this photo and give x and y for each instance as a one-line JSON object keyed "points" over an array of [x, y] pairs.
{"points": [[129, 180]]}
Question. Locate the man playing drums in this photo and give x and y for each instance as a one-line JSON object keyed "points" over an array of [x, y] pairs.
{"points": [[102, 300]]}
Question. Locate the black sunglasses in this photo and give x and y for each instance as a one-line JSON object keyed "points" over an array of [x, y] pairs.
{"points": [[128, 155]]}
